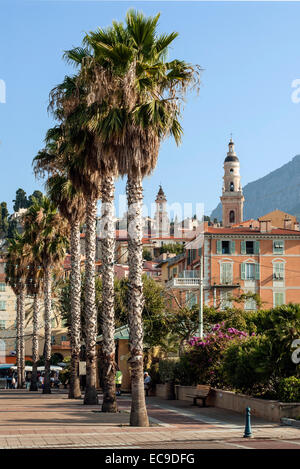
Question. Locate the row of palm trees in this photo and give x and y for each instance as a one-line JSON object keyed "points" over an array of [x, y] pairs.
{"points": [[112, 116]]}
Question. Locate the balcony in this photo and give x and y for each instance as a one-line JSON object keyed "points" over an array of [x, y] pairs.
{"points": [[186, 279], [64, 345]]}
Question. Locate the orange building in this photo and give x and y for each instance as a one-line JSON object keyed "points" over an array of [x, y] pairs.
{"points": [[259, 257], [263, 261]]}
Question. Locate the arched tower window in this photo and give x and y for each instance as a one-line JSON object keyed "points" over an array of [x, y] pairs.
{"points": [[231, 216], [231, 187]]}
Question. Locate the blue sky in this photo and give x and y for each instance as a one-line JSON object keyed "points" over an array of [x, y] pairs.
{"points": [[250, 53]]}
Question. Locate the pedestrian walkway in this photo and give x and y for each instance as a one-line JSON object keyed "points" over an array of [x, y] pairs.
{"points": [[34, 420]]}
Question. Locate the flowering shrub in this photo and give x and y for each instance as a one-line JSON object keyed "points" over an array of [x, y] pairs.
{"points": [[202, 363]]}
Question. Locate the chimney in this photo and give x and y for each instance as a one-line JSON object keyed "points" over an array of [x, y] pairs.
{"points": [[287, 223], [265, 226]]}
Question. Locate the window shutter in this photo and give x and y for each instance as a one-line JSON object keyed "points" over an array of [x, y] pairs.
{"points": [[219, 246], [256, 247], [243, 247], [232, 247], [243, 270], [256, 271]]}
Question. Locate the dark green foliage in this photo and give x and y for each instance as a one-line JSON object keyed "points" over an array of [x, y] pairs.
{"points": [[147, 255], [175, 248], [20, 201], [289, 389]]}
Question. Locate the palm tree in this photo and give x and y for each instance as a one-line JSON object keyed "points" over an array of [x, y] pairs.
{"points": [[16, 271], [46, 231], [34, 287], [136, 109], [69, 148], [71, 205], [92, 164]]}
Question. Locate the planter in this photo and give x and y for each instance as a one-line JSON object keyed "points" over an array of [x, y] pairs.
{"points": [[267, 409], [165, 391]]}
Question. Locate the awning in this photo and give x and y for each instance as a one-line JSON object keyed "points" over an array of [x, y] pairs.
{"points": [[120, 333]]}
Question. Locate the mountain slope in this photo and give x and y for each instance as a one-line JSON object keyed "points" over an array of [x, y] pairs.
{"points": [[279, 189]]}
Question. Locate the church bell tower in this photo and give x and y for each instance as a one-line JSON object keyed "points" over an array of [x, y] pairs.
{"points": [[232, 198]]}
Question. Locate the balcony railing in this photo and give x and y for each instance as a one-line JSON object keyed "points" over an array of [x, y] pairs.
{"points": [[177, 282]]}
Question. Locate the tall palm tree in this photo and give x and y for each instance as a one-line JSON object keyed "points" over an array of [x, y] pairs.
{"points": [[16, 271], [90, 164], [71, 205], [138, 107], [47, 232], [69, 148]]}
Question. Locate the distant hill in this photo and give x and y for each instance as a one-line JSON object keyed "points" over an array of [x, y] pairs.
{"points": [[279, 189]]}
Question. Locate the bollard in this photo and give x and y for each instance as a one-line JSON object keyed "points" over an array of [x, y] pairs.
{"points": [[248, 433]]}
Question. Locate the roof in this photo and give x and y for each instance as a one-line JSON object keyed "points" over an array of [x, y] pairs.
{"points": [[276, 212], [120, 333], [249, 231], [231, 158]]}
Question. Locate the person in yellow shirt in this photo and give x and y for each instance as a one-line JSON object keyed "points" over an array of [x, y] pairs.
{"points": [[119, 377]]}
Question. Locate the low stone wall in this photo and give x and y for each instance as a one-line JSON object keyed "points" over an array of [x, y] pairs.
{"points": [[267, 409], [161, 391]]}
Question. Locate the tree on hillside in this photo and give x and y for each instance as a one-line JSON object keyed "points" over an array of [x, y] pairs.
{"points": [[20, 201]]}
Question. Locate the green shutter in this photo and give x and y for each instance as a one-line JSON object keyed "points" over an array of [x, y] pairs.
{"points": [[219, 246], [243, 270], [256, 271], [243, 247], [232, 247], [256, 247]]}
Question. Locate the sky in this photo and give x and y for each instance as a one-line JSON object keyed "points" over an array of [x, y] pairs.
{"points": [[250, 55]]}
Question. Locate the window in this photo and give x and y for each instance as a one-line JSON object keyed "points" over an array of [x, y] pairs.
{"points": [[191, 299], [231, 216], [278, 270], [225, 302], [225, 247], [63, 338], [278, 246], [2, 286], [226, 273], [52, 340], [249, 271], [250, 304], [231, 187], [2, 324], [2, 305], [278, 298], [249, 247]]}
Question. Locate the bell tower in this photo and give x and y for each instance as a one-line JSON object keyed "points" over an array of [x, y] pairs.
{"points": [[162, 221], [232, 198]]}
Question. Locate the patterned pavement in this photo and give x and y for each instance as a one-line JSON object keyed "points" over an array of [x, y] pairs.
{"points": [[34, 420]]}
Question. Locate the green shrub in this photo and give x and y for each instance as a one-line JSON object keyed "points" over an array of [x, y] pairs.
{"points": [[167, 369], [289, 389]]}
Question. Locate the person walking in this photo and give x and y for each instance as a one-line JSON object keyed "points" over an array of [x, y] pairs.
{"points": [[119, 377]]}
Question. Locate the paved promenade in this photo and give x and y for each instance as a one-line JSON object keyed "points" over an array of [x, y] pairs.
{"points": [[34, 420]]}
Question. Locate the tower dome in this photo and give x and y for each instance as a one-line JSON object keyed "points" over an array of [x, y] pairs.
{"points": [[231, 155]]}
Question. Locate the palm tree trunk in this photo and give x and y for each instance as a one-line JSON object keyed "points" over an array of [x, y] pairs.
{"points": [[74, 389], [47, 347], [18, 347], [35, 342], [21, 378], [138, 415], [91, 396], [108, 311]]}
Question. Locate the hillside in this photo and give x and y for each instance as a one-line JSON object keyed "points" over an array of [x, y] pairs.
{"points": [[279, 189]]}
